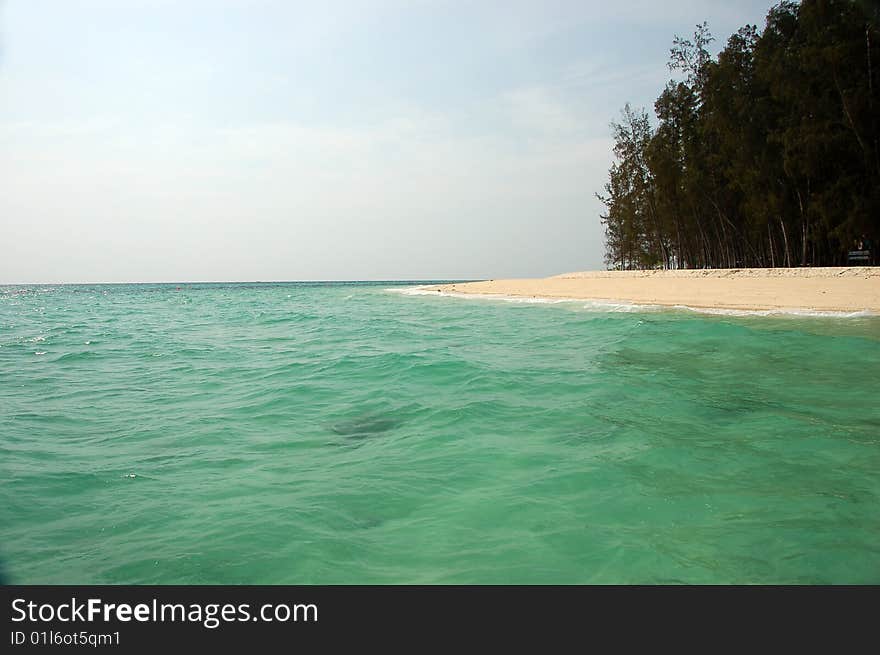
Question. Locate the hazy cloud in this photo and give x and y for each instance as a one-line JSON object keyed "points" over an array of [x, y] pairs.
{"points": [[155, 140]]}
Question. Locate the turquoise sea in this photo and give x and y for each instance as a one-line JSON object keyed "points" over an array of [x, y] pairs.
{"points": [[345, 433]]}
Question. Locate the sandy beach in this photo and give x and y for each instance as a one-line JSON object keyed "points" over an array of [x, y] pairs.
{"points": [[850, 289]]}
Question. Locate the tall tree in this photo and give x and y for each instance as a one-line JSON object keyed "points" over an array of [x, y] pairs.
{"points": [[765, 156]]}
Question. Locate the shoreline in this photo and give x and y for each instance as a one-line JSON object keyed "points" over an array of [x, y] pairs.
{"points": [[835, 290]]}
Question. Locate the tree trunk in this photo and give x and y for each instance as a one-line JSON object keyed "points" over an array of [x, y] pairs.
{"points": [[770, 237], [785, 240], [803, 224]]}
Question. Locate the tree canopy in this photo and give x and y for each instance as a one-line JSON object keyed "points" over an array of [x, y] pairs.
{"points": [[766, 155]]}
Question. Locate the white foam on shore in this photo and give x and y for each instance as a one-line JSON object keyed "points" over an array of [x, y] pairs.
{"points": [[629, 306], [586, 303], [794, 312]]}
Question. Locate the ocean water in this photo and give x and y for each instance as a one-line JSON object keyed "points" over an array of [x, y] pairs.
{"points": [[345, 433]]}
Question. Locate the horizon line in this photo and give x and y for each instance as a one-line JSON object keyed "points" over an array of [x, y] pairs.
{"points": [[315, 281]]}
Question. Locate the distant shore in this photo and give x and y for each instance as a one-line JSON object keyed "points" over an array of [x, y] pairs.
{"points": [[850, 289]]}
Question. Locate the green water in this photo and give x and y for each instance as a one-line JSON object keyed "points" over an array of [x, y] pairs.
{"points": [[333, 433]]}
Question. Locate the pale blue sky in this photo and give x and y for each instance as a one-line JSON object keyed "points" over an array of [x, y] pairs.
{"points": [[167, 140]]}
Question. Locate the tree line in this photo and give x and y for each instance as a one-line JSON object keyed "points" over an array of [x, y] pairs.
{"points": [[765, 156]]}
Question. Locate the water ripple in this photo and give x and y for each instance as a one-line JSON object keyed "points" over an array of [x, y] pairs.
{"points": [[337, 433]]}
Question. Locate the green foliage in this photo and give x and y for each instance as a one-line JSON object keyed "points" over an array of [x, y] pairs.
{"points": [[768, 155]]}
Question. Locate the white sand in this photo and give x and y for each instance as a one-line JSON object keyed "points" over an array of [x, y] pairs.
{"points": [[850, 289]]}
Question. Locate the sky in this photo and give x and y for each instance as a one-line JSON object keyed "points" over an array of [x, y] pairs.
{"points": [[241, 140]]}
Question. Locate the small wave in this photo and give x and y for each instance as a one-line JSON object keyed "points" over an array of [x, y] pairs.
{"points": [[629, 306], [425, 291], [586, 303], [794, 312], [76, 356], [621, 306]]}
